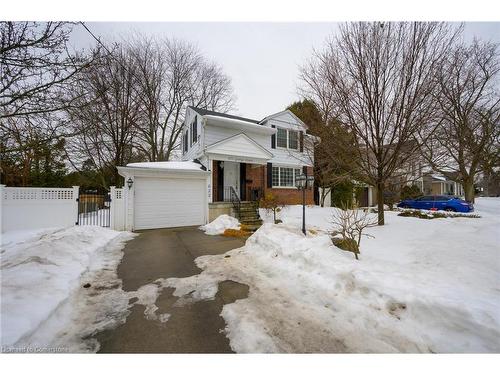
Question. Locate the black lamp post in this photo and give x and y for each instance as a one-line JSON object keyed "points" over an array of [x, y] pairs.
{"points": [[304, 182]]}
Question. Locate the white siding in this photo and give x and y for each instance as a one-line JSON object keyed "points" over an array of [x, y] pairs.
{"points": [[239, 145], [214, 134], [194, 150]]}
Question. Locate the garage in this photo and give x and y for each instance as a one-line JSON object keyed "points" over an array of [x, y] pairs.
{"points": [[165, 194]]}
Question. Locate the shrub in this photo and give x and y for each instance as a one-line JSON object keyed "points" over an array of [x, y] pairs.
{"points": [[350, 224], [410, 192], [347, 244], [341, 194], [434, 214], [271, 203]]}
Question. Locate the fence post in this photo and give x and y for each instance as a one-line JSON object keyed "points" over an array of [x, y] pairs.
{"points": [[1, 208], [112, 209], [76, 191]]}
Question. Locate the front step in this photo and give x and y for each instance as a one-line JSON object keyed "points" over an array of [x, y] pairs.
{"points": [[249, 216]]}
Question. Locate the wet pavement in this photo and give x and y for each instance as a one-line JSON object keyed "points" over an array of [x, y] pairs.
{"points": [[192, 328]]}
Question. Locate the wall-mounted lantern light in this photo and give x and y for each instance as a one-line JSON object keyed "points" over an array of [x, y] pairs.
{"points": [[130, 182]]}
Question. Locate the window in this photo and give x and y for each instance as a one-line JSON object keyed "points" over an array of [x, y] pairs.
{"points": [[282, 137], [276, 176], [185, 141], [288, 139], [194, 131], [285, 177], [293, 139]]}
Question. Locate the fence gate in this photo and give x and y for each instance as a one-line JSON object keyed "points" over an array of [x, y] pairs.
{"points": [[94, 208]]}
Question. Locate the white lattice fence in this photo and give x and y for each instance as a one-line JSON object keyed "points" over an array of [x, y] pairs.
{"points": [[32, 208]]}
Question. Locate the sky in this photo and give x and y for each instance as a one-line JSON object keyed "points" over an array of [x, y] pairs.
{"points": [[262, 59]]}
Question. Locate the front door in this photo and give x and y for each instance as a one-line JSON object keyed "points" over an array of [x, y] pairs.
{"points": [[231, 179]]}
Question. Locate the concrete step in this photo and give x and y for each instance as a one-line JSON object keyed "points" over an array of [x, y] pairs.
{"points": [[248, 215], [242, 208], [251, 222], [254, 213]]}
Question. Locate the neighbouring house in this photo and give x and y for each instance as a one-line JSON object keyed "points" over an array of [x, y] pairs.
{"points": [[225, 159], [412, 172], [429, 183]]}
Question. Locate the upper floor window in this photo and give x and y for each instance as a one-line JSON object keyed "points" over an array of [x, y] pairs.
{"points": [[287, 139], [194, 131], [282, 137], [293, 139]]}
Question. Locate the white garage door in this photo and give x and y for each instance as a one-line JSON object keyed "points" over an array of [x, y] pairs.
{"points": [[169, 202]]}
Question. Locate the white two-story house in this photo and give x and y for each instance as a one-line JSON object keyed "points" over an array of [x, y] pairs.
{"points": [[249, 157], [225, 159]]}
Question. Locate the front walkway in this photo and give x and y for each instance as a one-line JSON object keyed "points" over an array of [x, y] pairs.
{"points": [[191, 328]]}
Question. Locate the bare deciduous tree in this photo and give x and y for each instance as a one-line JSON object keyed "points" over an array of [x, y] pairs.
{"points": [[105, 121], [377, 80], [467, 129], [172, 75], [36, 65]]}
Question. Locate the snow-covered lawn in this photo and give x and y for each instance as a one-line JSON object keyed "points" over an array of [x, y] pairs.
{"points": [[419, 286], [43, 301]]}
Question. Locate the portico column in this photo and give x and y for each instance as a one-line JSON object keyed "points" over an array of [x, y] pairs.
{"points": [[210, 187]]}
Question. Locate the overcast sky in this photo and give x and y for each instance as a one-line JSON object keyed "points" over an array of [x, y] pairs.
{"points": [[262, 59]]}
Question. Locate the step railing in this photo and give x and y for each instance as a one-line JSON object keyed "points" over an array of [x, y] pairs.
{"points": [[235, 200]]}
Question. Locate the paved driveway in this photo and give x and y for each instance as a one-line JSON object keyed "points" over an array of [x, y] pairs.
{"points": [[192, 328]]}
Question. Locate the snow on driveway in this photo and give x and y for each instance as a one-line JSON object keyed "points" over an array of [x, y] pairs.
{"points": [[44, 304], [419, 286]]}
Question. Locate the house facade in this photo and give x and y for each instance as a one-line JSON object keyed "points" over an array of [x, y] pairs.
{"points": [[248, 158]]}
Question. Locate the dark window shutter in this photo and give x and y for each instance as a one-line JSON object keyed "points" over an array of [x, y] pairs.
{"points": [[301, 142], [269, 175], [273, 138], [195, 136], [304, 170]]}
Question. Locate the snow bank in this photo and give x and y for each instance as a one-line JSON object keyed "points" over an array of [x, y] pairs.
{"points": [[420, 286], [43, 299], [219, 225]]}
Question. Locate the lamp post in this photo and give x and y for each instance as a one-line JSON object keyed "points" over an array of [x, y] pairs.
{"points": [[304, 182]]}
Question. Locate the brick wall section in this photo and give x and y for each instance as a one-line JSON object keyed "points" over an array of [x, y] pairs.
{"points": [[258, 176]]}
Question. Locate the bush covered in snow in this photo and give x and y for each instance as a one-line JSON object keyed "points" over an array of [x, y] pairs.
{"points": [[426, 214], [220, 224]]}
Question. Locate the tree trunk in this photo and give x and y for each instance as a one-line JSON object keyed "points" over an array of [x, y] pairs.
{"points": [[380, 203], [469, 190]]}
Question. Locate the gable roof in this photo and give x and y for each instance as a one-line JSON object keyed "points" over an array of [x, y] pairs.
{"points": [[281, 113], [205, 112], [240, 145]]}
